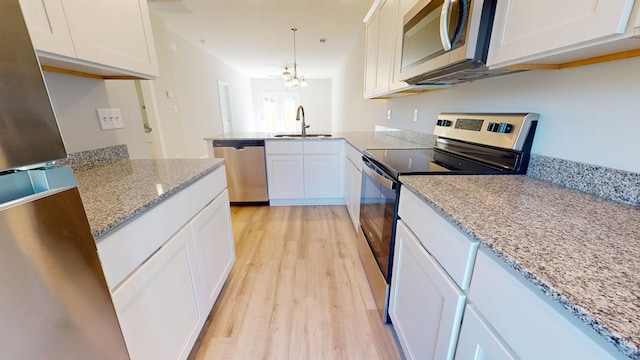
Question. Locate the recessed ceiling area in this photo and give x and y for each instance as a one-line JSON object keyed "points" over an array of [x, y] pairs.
{"points": [[255, 37]]}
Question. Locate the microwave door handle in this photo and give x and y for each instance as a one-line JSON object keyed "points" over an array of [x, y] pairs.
{"points": [[444, 25]]}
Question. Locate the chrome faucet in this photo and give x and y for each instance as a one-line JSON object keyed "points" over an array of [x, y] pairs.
{"points": [[304, 126]]}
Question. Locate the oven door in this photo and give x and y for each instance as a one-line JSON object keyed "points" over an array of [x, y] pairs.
{"points": [[378, 213]]}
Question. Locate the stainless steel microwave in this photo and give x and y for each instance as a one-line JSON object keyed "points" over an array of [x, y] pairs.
{"points": [[447, 41]]}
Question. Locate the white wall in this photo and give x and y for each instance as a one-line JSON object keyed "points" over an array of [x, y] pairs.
{"points": [[351, 112], [75, 100], [191, 75], [588, 114], [315, 98]]}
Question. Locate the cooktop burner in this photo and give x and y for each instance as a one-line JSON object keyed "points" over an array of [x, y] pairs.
{"points": [[404, 161]]}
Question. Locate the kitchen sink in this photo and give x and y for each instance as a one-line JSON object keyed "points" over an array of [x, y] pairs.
{"points": [[301, 136]]}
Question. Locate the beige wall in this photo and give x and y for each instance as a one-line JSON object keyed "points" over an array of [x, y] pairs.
{"points": [[191, 76], [588, 114], [75, 100], [351, 112]]}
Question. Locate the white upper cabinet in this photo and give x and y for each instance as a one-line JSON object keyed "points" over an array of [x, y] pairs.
{"points": [[548, 31], [372, 28], [379, 48], [386, 42], [101, 37], [47, 26]]}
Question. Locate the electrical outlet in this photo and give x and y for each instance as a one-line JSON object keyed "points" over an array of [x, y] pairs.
{"points": [[110, 119], [415, 115]]}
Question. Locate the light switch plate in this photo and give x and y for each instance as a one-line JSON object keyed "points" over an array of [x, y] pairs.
{"points": [[415, 115], [110, 119]]}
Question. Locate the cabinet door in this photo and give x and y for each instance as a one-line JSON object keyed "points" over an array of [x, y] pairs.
{"points": [[386, 42], [529, 322], [523, 29], [478, 342], [372, 28], [352, 180], [48, 26], [426, 306], [284, 174], [157, 305], [214, 248], [115, 33], [348, 184], [322, 176]]}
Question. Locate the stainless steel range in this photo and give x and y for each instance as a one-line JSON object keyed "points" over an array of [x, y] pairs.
{"points": [[467, 144]]}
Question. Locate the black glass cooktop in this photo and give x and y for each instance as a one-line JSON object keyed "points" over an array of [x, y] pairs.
{"points": [[428, 161]]}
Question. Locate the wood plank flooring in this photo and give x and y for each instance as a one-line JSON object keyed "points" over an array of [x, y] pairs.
{"points": [[296, 291]]}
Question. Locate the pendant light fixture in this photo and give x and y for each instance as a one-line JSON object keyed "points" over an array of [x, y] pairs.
{"points": [[293, 79]]}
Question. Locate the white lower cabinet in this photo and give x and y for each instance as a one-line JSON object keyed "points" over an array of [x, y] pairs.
{"points": [[285, 176], [426, 306], [478, 342], [320, 180], [301, 172], [515, 316], [166, 268], [213, 247], [352, 183], [158, 306]]}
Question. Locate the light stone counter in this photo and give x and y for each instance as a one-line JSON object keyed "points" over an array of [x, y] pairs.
{"points": [[116, 192], [580, 250], [361, 140]]}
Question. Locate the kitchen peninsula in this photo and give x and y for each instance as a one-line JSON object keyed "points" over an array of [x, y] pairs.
{"points": [[163, 233]]}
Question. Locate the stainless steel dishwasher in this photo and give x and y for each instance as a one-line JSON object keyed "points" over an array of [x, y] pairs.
{"points": [[246, 170]]}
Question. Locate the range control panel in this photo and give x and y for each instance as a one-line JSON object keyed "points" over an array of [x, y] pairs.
{"points": [[476, 125], [500, 130]]}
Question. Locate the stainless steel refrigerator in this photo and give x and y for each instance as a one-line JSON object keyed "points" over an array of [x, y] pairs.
{"points": [[54, 300]]}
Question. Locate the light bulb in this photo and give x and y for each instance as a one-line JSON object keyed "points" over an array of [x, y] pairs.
{"points": [[288, 83], [303, 82], [295, 81]]}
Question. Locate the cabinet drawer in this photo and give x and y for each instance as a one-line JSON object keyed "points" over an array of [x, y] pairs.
{"points": [[354, 155], [323, 147], [453, 250], [206, 189], [126, 248], [533, 326], [283, 147]]}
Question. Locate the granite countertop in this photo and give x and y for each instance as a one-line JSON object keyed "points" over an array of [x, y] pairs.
{"points": [[581, 251], [119, 191], [361, 140]]}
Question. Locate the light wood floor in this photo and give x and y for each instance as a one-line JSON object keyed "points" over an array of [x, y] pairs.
{"points": [[296, 291]]}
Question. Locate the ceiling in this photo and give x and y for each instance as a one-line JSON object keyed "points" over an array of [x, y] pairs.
{"points": [[255, 37]]}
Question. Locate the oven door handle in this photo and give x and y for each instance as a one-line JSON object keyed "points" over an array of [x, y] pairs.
{"points": [[389, 184]]}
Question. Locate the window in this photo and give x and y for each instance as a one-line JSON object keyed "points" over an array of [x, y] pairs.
{"points": [[277, 112]]}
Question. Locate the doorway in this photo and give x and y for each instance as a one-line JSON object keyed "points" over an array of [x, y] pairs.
{"points": [[225, 107], [152, 130]]}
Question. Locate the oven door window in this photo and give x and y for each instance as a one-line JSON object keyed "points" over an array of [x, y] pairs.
{"points": [[377, 205]]}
